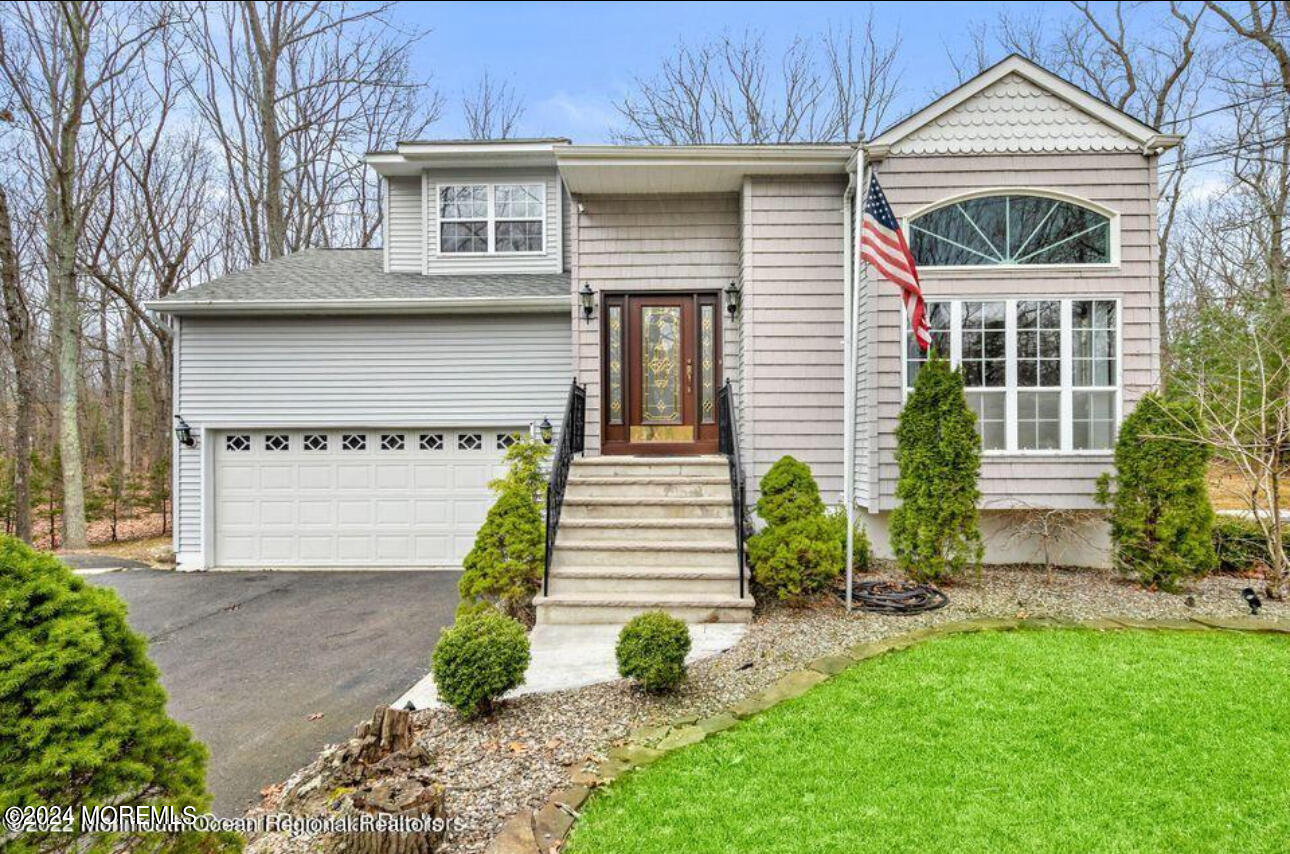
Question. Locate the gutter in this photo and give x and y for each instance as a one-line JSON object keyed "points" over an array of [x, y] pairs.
{"points": [[463, 305]]}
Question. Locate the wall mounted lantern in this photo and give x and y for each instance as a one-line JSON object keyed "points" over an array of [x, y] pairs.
{"points": [[544, 429], [184, 433], [732, 300], [588, 300]]}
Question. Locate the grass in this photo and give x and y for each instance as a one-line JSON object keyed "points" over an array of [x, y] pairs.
{"points": [[1020, 741]]}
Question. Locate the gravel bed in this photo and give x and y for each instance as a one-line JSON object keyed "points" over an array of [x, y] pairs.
{"points": [[493, 768]]}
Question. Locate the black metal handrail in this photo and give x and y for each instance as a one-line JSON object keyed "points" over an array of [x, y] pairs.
{"points": [[573, 440], [728, 444]]}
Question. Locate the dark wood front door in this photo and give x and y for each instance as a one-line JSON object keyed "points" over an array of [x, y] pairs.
{"points": [[660, 368]]}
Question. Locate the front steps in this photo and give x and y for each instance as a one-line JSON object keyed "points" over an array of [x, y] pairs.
{"points": [[643, 533]]}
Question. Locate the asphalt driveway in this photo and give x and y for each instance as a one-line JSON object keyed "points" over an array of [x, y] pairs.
{"points": [[248, 657]]}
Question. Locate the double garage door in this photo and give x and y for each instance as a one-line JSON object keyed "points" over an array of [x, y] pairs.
{"points": [[358, 498]]}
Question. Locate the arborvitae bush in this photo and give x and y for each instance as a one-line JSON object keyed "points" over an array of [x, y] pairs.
{"points": [[1161, 519], [504, 567], [788, 493], [1239, 544], [935, 532], [82, 713], [798, 559], [651, 649], [478, 659], [505, 564]]}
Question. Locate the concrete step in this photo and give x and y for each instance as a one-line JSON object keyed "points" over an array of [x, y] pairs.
{"points": [[663, 553], [560, 608], [643, 530], [647, 508], [613, 466], [642, 487], [700, 581]]}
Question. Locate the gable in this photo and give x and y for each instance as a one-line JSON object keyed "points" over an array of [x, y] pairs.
{"points": [[1013, 114]]}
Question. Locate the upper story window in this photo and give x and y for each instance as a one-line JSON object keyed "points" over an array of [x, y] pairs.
{"points": [[485, 219], [1010, 230]]}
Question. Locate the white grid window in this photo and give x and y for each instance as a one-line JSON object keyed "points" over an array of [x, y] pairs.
{"points": [[1042, 376], [431, 442], [484, 219]]}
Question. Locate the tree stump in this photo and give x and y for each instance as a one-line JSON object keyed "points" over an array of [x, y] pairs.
{"points": [[416, 797], [389, 731]]}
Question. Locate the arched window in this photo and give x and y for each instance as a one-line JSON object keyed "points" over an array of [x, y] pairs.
{"points": [[1008, 230]]}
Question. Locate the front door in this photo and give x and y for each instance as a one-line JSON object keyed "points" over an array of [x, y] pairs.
{"points": [[661, 362]]}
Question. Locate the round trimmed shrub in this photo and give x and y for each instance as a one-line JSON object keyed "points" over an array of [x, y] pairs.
{"points": [[478, 659], [788, 493], [652, 649], [82, 711], [798, 559]]}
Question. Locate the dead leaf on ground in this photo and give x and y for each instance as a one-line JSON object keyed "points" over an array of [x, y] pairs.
{"points": [[316, 716]]}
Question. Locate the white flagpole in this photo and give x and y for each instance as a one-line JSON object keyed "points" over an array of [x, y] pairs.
{"points": [[850, 271]]}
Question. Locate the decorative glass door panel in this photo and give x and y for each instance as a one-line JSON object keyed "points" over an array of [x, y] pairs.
{"points": [[660, 363]]}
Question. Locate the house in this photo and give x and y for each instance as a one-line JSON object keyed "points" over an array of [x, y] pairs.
{"points": [[350, 406]]}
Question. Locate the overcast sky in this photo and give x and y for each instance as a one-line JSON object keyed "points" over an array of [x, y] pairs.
{"points": [[572, 61]]}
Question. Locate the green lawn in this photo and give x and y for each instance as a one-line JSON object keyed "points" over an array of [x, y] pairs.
{"points": [[1067, 741]]}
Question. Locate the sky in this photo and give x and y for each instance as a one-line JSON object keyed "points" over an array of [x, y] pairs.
{"points": [[570, 62]]}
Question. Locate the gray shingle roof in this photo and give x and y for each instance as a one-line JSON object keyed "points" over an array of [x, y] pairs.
{"points": [[326, 276]]}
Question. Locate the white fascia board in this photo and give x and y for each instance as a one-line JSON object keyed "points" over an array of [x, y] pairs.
{"points": [[467, 305], [1137, 131]]}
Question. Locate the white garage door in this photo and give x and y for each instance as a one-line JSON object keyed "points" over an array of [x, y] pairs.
{"points": [[352, 497]]}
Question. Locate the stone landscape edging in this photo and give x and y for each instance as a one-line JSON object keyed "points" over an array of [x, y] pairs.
{"points": [[545, 829]]}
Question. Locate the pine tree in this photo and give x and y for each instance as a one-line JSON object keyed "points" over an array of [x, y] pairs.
{"points": [[935, 532]]}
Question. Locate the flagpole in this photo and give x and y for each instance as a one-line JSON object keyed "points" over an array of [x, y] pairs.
{"points": [[851, 271]]}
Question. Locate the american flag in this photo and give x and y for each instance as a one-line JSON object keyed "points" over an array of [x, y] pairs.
{"points": [[883, 245]]}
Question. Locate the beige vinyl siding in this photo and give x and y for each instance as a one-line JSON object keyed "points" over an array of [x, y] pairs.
{"points": [[550, 261], [650, 243], [1122, 182], [793, 325], [404, 232], [449, 371]]}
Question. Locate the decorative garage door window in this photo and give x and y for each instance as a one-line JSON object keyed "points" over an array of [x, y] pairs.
{"points": [[277, 442], [392, 442], [469, 441], [1009, 230], [431, 442], [315, 441], [505, 440], [238, 442], [353, 442]]}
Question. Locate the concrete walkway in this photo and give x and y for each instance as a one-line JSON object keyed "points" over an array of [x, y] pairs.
{"points": [[570, 656]]}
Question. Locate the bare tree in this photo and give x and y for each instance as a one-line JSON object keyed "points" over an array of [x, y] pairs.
{"points": [[18, 323], [829, 88], [493, 110], [1266, 24], [58, 62], [284, 89]]}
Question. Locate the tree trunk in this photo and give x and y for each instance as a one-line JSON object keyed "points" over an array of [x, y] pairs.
{"points": [[127, 394], [267, 51], [18, 321]]}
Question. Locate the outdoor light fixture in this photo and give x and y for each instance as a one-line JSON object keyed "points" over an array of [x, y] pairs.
{"points": [[588, 300], [1252, 599], [732, 299], [184, 433], [544, 429]]}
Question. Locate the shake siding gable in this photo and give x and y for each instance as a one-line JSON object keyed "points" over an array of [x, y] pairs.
{"points": [[1120, 181]]}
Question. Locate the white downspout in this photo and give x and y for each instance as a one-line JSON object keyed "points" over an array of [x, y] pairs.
{"points": [[849, 367]]}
